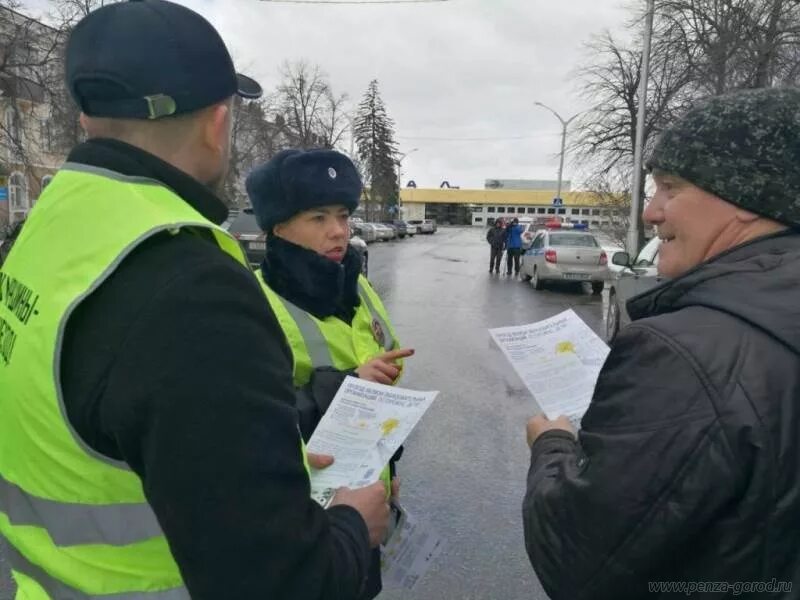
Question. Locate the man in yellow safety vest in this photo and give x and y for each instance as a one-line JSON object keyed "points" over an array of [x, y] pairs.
{"points": [[149, 444]]}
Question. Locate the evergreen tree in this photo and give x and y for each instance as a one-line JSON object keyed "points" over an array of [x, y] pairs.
{"points": [[374, 136]]}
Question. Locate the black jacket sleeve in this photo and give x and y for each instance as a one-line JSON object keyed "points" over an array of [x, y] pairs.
{"points": [[651, 466], [314, 398], [199, 401]]}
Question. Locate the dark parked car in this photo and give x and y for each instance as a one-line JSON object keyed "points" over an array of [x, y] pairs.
{"points": [[403, 229], [245, 229]]}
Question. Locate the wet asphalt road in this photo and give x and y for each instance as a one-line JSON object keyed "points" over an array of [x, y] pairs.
{"points": [[465, 465]]}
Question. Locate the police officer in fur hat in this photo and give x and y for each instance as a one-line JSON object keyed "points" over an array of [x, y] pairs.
{"points": [[334, 322], [685, 469]]}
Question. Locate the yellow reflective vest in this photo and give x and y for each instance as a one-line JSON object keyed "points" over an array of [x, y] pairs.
{"points": [[77, 523], [331, 342]]}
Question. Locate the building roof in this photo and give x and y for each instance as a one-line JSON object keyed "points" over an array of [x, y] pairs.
{"points": [[498, 197]]}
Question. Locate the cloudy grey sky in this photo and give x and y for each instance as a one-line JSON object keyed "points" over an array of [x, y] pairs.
{"points": [[455, 69]]}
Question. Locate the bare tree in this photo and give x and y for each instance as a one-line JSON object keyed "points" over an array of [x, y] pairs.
{"points": [[604, 138], [254, 140], [733, 44], [311, 114], [700, 48]]}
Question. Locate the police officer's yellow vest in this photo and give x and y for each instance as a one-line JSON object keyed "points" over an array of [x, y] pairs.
{"points": [[331, 342], [77, 522]]}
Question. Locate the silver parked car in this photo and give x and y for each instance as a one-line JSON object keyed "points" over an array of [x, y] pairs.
{"points": [[385, 232], [565, 255], [423, 225], [366, 231], [635, 278]]}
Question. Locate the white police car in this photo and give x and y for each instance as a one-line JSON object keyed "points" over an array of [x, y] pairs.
{"points": [[565, 252]]}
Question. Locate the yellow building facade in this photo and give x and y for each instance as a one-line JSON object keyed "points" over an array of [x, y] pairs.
{"points": [[481, 207]]}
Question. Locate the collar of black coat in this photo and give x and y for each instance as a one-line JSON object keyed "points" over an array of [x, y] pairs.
{"points": [[758, 282], [134, 162], [312, 282]]}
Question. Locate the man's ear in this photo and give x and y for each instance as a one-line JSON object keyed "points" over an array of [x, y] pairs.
{"points": [[84, 122], [217, 131]]}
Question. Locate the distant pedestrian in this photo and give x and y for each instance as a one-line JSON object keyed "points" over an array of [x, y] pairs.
{"points": [[513, 240], [496, 236]]}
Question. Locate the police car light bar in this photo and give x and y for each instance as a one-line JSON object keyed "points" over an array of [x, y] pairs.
{"points": [[565, 225]]}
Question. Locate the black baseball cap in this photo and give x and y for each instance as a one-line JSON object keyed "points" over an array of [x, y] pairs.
{"points": [[146, 59]]}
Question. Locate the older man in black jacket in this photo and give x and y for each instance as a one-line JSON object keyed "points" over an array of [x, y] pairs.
{"points": [[684, 477]]}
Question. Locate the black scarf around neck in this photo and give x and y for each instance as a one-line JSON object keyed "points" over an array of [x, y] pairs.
{"points": [[313, 282]]}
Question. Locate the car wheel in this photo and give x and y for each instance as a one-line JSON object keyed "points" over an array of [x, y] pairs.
{"points": [[597, 287], [535, 281], [525, 276], [612, 317]]}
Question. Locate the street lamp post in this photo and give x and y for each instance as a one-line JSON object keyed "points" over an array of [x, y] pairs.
{"points": [[564, 125], [398, 162], [638, 150]]}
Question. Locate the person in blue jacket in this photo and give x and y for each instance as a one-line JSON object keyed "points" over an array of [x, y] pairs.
{"points": [[513, 245]]}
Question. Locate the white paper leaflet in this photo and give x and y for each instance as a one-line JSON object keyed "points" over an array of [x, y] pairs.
{"points": [[409, 553], [558, 359], [363, 427]]}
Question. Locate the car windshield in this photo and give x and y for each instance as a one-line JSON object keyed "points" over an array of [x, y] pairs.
{"points": [[649, 254], [245, 223], [573, 240]]}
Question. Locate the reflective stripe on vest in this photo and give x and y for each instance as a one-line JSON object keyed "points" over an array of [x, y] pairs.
{"points": [[75, 524], [316, 344], [78, 522], [59, 591], [389, 342]]}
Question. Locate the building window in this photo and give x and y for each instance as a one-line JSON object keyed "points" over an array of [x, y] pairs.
{"points": [[595, 223], [576, 211], [584, 222], [531, 210], [585, 211], [521, 210], [541, 211], [479, 219], [595, 212], [18, 194], [551, 211], [14, 133], [490, 209], [46, 135], [562, 211]]}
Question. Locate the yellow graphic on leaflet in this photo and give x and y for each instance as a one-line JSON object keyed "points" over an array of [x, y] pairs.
{"points": [[388, 426], [565, 348]]}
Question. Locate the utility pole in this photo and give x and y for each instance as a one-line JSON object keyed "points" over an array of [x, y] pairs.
{"points": [[399, 162], [638, 151], [564, 126]]}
